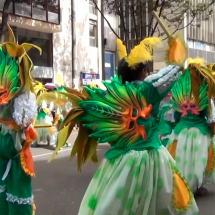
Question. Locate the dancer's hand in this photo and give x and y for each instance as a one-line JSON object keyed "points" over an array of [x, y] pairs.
{"points": [[25, 127]]}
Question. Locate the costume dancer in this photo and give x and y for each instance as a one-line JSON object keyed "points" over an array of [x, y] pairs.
{"points": [[17, 111], [191, 143], [138, 175], [44, 134]]}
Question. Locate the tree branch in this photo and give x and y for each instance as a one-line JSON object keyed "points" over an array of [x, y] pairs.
{"points": [[121, 15], [96, 6], [161, 9], [134, 20], [141, 21], [155, 9]]}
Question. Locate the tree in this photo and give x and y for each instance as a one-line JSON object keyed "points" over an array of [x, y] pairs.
{"points": [[143, 23]]}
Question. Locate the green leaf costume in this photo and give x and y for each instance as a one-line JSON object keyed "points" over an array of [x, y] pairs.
{"points": [[17, 110], [191, 143], [138, 176]]}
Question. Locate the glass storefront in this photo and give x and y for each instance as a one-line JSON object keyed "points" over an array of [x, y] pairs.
{"points": [[109, 65]]}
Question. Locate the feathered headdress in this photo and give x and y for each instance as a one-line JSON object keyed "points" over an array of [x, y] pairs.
{"points": [[141, 53]]}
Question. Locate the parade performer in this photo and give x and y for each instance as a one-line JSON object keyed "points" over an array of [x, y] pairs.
{"points": [[46, 135], [43, 121], [58, 121], [17, 111], [138, 175], [191, 143]]}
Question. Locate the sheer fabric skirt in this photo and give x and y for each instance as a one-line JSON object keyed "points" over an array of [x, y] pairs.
{"points": [[194, 155], [138, 183]]}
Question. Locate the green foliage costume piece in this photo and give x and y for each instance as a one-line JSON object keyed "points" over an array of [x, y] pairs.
{"points": [[17, 110]]}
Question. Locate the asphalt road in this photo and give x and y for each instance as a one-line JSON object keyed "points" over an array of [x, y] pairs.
{"points": [[58, 187]]}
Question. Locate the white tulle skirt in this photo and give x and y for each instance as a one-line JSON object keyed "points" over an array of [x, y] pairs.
{"points": [[138, 183], [194, 155]]}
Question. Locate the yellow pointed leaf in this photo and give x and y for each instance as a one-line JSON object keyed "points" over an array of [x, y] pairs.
{"points": [[81, 141], [11, 34], [91, 148], [63, 135], [11, 48], [28, 46], [94, 158], [72, 116]]}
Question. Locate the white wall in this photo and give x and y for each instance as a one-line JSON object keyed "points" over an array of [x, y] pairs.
{"points": [[62, 61]]}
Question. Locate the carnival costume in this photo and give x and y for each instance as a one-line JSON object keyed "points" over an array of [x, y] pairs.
{"points": [[17, 111], [43, 117], [138, 175], [191, 143], [43, 122]]}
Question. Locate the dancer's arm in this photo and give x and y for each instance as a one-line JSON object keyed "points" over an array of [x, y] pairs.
{"points": [[165, 79]]}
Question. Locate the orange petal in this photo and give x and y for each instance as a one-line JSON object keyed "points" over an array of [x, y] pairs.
{"points": [[172, 148], [182, 196], [211, 160]]}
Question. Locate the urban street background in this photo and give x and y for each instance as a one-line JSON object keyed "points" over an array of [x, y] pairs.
{"points": [[59, 188]]}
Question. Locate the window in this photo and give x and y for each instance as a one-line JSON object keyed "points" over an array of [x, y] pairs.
{"points": [[43, 40], [92, 9], [43, 10], [109, 65], [93, 33], [201, 46], [44, 80]]}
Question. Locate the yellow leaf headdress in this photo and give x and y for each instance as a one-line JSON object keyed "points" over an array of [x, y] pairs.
{"points": [[211, 66], [199, 71], [16, 68], [199, 61], [141, 53]]}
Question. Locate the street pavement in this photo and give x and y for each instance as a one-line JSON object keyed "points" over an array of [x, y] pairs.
{"points": [[58, 187]]}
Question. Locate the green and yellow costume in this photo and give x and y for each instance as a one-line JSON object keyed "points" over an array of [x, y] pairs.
{"points": [[138, 175], [17, 111], [191, 143]]}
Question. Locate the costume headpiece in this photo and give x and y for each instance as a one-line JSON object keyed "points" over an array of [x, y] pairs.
{"points": [[211, 66], [15, 68], [199, 61], [141, 53], [199, 71]]}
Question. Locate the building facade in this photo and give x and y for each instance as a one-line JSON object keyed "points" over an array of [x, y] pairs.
{"points": [[48, 25]]}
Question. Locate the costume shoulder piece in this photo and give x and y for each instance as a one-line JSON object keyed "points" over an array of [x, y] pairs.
{"points": [[17, 99], [16, 82]]}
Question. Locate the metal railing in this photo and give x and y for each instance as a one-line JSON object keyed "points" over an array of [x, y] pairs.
{"points": [[41, 10]]}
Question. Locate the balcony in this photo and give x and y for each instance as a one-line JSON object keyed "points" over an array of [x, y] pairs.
{"points": [[41, 10]]}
